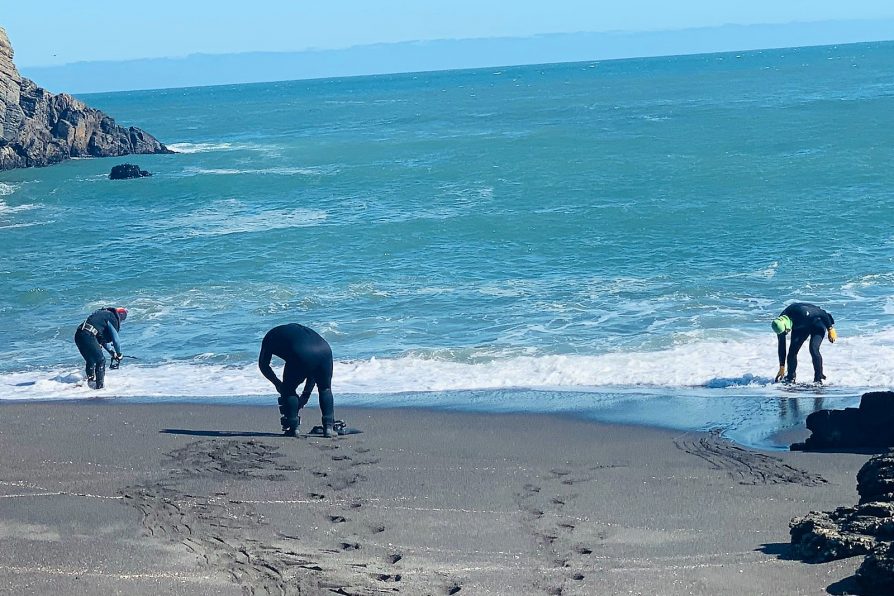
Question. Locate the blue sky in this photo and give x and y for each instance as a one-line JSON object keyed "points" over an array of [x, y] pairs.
{"points": [[122, 30]]}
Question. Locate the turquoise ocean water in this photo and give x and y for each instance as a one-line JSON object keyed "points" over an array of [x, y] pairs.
{"points": [[609, 239]]}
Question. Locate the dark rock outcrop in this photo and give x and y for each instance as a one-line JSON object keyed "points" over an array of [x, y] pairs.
{"points": [[871, 426], [867, 529], [38, 128], [875, 480], [876, 574], [127, 170], [822, 536]]}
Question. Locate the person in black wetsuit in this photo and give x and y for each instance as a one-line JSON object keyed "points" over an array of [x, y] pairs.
{"points": [[803, 320], [98, 331], [307, 357]]}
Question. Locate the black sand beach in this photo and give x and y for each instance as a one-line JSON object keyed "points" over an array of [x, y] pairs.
{"points": [[100, 498]]}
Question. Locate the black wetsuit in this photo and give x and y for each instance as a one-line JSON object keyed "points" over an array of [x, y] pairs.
{"points": [[99, 330], [308, 357], [807, 321]]}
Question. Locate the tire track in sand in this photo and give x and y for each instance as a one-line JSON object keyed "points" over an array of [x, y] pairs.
{"points": [[748, 467]]}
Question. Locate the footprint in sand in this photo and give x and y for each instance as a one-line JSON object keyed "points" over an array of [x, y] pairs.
{"points": [[387, 577]]}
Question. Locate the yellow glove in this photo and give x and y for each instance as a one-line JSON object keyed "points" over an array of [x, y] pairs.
{"points": [[833, 335], [780, 375]]}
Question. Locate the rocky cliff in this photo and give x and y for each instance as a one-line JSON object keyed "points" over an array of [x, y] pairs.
{"points": [[38, 128]]}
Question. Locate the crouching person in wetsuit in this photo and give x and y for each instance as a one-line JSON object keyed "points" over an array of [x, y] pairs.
{"points": [[307, 357], [803, 321], [98, 331]]}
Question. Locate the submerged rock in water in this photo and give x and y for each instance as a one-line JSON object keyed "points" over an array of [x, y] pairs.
{"points": [[38, 128], [867, 529], [870, 426], [127, 170]]}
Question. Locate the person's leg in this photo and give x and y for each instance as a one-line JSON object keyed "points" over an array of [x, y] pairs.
{"points": [[327, 402], [91, 351], [798, 338], [288, 400], [99, 361], [85, 342], [816, 340]]}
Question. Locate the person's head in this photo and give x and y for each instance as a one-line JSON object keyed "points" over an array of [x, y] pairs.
{"points": [[120, 311], [781, 324]]}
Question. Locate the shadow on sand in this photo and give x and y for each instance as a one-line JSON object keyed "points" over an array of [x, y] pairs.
{"points": [[217, 433], [784, 552], [848, 585], [781, 550]]}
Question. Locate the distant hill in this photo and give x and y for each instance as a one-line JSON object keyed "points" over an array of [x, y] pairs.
{"points": [[217, 69]]}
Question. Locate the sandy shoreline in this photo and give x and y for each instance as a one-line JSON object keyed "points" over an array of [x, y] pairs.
{"points": [[102, 498]]}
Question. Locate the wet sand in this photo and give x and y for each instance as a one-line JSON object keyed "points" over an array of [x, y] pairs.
{"points": [[103, 498]]}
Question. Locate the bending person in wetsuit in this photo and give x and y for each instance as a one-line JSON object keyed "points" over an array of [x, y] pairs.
{"points": [[98, 331], [803, 320], [307, 356]]}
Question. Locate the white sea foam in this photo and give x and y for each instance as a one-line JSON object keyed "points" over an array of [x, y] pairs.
{"points": [[8, 210], [233, 216], [200, 147], [171, 380], [769, 272], [24, 225], [213, 224], [7, 189], [216, 171], [857, 363], [852, 362], [275, 171], [188, 148]]}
